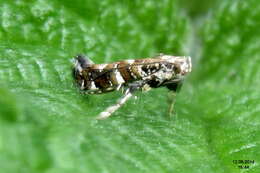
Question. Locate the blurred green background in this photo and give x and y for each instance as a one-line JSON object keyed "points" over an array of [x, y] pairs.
{"points": [[46, 125]]}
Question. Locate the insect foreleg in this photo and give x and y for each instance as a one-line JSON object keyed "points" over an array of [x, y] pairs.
{"points": [[111, 109], [128, 94]]}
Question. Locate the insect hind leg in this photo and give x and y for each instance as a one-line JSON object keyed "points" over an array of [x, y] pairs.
{"points": [[174, 88], [171, 101]]}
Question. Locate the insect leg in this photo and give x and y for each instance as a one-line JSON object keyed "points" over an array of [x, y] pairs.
{"points": [[174, 89], [128, 94], [171, 100], [111, 109]]}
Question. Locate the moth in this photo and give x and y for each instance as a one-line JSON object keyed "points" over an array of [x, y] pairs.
{"points": [[130, 75]]}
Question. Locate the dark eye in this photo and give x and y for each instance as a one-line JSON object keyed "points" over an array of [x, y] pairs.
{"points": [[76, 75]]}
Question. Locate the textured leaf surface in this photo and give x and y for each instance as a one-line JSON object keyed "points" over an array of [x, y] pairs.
{"points": [[46, 125]]}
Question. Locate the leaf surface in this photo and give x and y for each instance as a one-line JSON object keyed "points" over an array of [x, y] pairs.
{"points": [[46, 125]]}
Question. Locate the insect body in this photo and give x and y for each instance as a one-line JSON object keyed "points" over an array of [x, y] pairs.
{"points": [[132, 75]]}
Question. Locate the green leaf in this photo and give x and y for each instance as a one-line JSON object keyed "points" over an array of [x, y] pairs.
{"points": [[46, 125]]}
